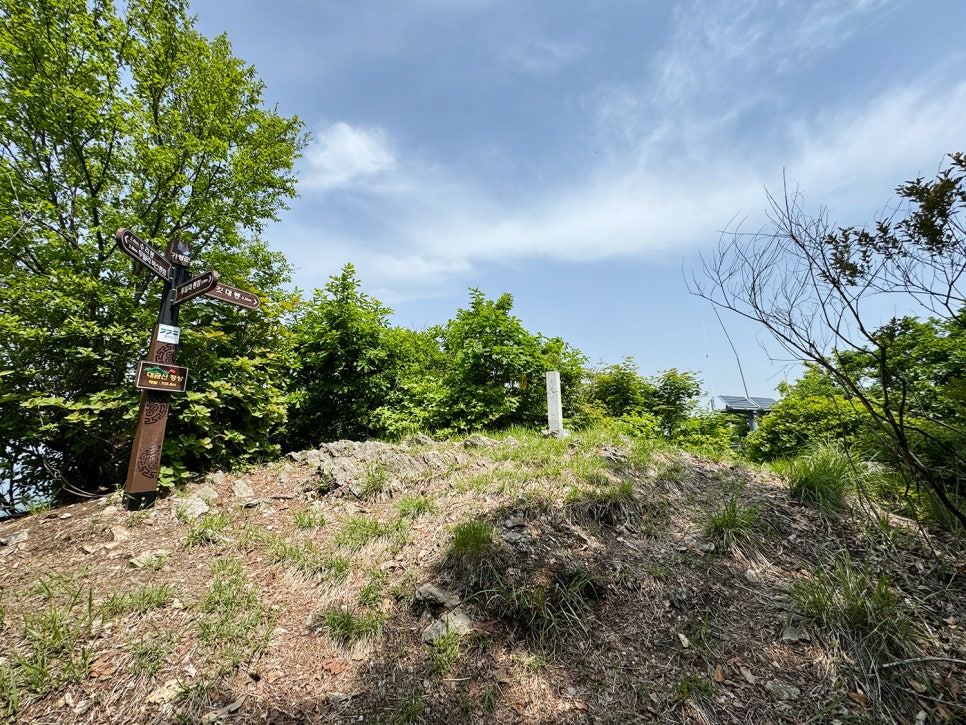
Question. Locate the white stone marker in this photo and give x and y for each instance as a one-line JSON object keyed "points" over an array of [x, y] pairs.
{"points": [[554, 407]]}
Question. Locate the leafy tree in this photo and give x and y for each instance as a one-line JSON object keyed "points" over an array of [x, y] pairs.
{"points": [[237, 399], [620, 389], [812, 287], [811, 410], [491, 360], [669, 398], [343, 364], [926, 374], [496, 370], [672, 399], [112, 118], [416, 397]]}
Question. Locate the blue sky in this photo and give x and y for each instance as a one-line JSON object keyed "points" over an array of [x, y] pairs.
{"points": [[582, 155]]}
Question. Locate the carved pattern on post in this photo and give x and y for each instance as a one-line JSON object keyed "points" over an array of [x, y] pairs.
{"points": [[149, 462], [165, 353], [155, 408]]}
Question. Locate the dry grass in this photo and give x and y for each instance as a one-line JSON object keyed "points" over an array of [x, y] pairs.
{"points": [[607, 582]]}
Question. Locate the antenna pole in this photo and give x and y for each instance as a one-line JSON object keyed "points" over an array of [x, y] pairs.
{"points": [[738, 359]]}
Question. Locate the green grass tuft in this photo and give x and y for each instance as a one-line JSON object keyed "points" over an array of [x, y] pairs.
{"points": [[820, 477], [140, 600], [309, 518], [732, 523], [208, 528], [610, 505], [862, 609], [412, 506], [347, 627], [472, 543], [234, 624], [149, 654], [357, 531]]}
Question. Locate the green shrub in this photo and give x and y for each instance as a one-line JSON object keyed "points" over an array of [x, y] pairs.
{"points": [[820, 477]]}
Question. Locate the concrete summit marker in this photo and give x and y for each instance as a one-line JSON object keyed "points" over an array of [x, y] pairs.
{"points": [[157, 375], [555, 427]]}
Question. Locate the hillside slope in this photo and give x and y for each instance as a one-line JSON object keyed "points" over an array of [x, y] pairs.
{"points": [[527, 580]]}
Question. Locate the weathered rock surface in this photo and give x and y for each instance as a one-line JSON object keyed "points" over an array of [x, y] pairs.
{"points": [[17, 537], [351, 465], [457, 621], [429, 593]]}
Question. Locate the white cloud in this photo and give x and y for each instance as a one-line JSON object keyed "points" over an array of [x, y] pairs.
{"points": [[442, 228], [343, 155], [841, 154]]}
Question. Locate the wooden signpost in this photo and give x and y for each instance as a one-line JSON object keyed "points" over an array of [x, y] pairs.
{"points": [[157, 375]]}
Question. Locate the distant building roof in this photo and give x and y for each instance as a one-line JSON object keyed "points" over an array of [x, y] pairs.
{"points": [[741, 404]]}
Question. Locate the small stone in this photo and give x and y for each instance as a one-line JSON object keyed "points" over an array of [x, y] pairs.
{"points": [[192, 507], [782, 690], [456, 621], [149, 558], [166, 693], [17, 537], [696, 543], [241, 489], [119, 533], [792, 633], [511, 537], [432, 594], [206, 493], [420, 439], [480, 441], [65, 516]]}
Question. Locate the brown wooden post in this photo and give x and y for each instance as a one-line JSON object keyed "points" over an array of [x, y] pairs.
{"points": [[158, 375], [141, 486]]}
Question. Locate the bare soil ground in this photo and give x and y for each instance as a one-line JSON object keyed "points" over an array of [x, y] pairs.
{"points": [[596, 590]]}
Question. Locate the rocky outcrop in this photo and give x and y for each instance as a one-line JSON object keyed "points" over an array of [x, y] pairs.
{"points": [[364, 467]]}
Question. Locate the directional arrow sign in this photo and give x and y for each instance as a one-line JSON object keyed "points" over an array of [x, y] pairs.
{"points": [[197, 285], [234, 295], [141, 251]]}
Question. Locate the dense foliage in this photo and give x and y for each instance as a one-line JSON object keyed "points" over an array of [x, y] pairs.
{"points": [[114, 117], [811, 410], [343, 364], [358, 377]]}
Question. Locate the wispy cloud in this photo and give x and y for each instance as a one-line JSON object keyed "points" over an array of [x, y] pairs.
{"points": [[342, 155], [727, 40], [542, 57], [441, 227]]}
